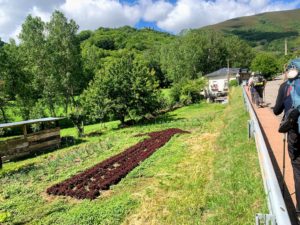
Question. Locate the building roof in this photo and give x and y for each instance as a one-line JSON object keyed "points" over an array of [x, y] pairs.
{"points": [[26, 122], [223, 71]]}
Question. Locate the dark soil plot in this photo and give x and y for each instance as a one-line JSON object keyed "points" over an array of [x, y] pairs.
{"points": [[88, 184]]}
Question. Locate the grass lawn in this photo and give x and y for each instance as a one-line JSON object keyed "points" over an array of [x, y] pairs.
{"points": [[210, 176]]}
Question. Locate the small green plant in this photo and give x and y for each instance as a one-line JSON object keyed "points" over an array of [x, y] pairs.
{"points": [[233, 83]]}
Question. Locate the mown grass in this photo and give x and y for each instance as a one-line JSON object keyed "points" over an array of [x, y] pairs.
{"points": [[237, 186], [194, 179]]}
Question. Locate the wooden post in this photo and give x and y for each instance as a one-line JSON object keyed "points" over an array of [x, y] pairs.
{"points": [[24, 131]]}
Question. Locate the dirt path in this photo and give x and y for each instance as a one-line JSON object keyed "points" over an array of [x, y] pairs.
{"points": [[274, 140]]}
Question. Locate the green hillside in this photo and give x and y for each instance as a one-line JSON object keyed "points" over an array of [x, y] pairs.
{"points": [[265, 31], [124, 37]]}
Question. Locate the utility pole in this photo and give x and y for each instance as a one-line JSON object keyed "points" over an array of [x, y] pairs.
{"points": [[285, 46]]}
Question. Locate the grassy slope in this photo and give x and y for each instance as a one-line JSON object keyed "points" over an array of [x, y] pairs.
{"points": [[266, 29], [210, 176]]}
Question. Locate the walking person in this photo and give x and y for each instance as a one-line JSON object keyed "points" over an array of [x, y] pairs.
{"points": [[251, 87], [257, 84], [284, 102]]}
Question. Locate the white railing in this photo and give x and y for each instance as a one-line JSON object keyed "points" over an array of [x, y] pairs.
{"points": [[278, 214]]}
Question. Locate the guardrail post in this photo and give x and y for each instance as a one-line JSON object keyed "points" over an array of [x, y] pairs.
{"points": [[265, 219], [250, 129]]}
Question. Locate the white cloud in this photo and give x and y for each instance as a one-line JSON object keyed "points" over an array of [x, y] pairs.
{"points": [[14, 12], [37, 12], [91, 14], [154, 11], [169, 16]]}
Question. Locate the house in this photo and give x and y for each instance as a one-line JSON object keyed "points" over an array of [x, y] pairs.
{"points": [[218, 80]]}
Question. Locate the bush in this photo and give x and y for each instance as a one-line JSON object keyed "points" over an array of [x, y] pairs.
{"points": [[188, 91], [233, 83]]}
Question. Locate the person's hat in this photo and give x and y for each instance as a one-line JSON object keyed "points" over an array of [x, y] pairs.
{"points": [[292, 73], [252, 74]]}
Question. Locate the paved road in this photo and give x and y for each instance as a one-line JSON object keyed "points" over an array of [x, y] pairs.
{"points": [[271, 91]]}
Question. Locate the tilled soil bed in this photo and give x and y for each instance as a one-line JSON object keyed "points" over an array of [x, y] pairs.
{"points": [[88, 184]]}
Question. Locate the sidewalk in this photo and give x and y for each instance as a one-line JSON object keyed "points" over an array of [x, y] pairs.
{"points": [[274, 140]]}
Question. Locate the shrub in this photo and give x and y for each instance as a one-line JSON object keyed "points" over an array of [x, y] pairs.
{"points": [[188, 91], [233, 83]]}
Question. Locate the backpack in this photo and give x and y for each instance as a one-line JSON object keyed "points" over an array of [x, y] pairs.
{"points": [[294, 88], [292, 116], [258, 81]]}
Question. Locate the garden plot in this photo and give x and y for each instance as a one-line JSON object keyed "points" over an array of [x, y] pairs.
{"points": [[89, 184]]}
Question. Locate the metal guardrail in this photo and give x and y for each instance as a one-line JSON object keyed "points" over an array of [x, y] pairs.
{"points": [[278, 214]]}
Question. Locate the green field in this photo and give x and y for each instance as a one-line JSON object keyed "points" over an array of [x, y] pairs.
{"points": [[210, 176]]}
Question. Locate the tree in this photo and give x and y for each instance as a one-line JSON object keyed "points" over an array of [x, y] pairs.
{"points": [[193, 54], [17, 82], [126, 88], [35, 68], [199, 52], [240, 53], [3, 96], [265, 63], [64, 56]]}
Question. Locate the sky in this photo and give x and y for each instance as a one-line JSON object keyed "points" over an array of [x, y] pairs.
{"points": [[164, 15]]}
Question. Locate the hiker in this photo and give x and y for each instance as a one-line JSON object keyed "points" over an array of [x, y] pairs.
{"points": [[286, 102], [259, 85], [250, 87]]}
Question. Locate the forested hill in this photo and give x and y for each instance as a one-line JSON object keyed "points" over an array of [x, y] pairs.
{"points": [[125, 37], [99, 47], [265, 31]]}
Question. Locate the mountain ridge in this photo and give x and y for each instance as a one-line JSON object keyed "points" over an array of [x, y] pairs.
{"points": [[264, 31]]}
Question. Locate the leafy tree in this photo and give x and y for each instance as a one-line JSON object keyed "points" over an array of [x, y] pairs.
{"points": [[240, 53], [17, 81], [266, 63], [126, 88], [193, 54], [3, 104], [32, 46], [65, 62], [84, 35], [92, 58], [1, 43], [199, 52], [3, 96], [33, 52]]}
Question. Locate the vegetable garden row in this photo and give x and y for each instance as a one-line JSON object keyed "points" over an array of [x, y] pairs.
{"points": [[90, 183]]}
